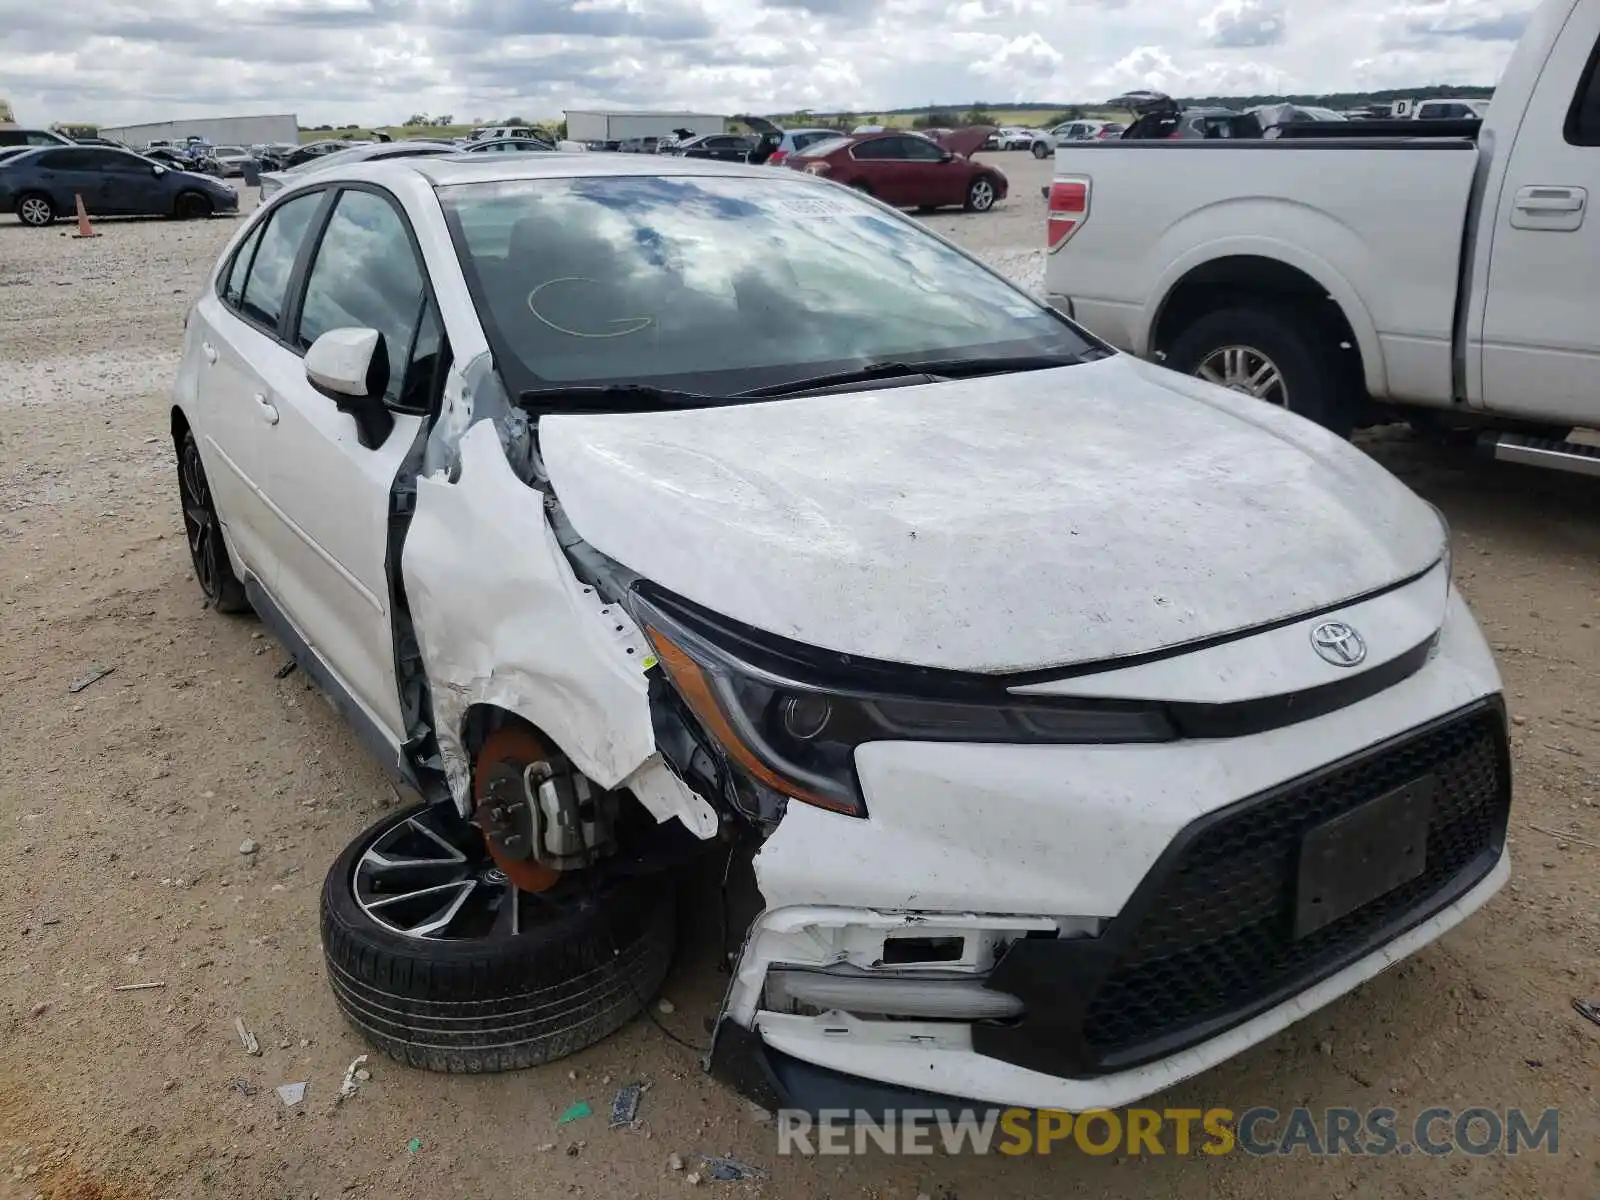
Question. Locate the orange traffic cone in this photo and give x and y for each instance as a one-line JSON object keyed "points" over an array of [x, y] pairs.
{"points": [[83, 219]]}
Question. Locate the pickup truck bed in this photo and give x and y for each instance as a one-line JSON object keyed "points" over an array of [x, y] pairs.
{"points": [[1141, 266]]}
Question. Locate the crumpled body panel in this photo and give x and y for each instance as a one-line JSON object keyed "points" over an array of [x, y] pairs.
{"points": [[501, 619]]}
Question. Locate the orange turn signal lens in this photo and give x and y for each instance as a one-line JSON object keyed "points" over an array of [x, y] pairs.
{"points": [[700, 695]]}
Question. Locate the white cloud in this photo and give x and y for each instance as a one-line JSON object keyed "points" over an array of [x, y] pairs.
{"points": [[1027, 59], [370, 61], [1246, 23]]}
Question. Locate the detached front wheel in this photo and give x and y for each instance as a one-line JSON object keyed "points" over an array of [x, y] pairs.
{"points": [[440, 961]]}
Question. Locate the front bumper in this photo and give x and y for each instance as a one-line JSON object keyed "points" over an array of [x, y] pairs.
{"points": [[1181, 950], [780, 1065]]}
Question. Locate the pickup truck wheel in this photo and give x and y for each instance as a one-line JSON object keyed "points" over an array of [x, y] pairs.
{"points": [[1276, 357], [441, 962]]}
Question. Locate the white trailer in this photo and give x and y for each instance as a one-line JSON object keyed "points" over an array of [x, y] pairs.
{"points": [[219, 131], [586, 125]]}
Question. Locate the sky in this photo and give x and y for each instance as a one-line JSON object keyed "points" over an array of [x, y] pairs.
{"points": [[379, 61]]}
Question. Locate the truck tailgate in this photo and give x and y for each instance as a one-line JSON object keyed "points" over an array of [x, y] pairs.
{"points": [[1376, 223]]}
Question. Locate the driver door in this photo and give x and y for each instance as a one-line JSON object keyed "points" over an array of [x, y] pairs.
{"points": [[331, 491]]}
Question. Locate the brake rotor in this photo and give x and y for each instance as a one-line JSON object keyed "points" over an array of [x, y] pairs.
{"points": [[509, 747]]}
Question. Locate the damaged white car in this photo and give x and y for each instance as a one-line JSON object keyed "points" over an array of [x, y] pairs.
{"points": [[1070, 724]]}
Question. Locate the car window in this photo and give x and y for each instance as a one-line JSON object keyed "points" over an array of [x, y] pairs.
{"points": [[42, 139], [125, 164], [1583, 118], [366, 276], [875, 148], [715, 284], [268, 281], [69, 160], [233, 286], [920, 149]]}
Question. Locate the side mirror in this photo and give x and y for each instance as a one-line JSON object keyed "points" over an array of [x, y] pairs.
{"points": [[158, 170], [947, 156], [351, 367]]}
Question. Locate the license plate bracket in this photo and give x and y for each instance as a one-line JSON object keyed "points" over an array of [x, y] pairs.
{"points": [[1363, 854]]}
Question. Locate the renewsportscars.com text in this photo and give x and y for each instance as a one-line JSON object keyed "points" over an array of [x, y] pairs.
{"points": [[1260, 1131]]}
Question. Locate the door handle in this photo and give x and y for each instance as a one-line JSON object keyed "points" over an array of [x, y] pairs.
{"points": [[1550, 203], [269, 411], [209, 351]]}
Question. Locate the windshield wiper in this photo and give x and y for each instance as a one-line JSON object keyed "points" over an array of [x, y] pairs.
{"points": [[944, 368], [613, 397]]}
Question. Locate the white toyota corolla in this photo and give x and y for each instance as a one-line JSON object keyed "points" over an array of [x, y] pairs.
{"points": [[1058, 725]]}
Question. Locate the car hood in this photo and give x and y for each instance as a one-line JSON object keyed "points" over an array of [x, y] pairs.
{"points": [[966, 142], [1008, 523]]}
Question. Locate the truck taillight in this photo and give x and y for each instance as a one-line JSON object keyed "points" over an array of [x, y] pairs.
{"points": [[1069, 209]]}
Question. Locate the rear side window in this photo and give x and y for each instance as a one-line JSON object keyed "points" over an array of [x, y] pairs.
{"points": [[233, 289], [268, 279], [1583, 118], [366, 276]]}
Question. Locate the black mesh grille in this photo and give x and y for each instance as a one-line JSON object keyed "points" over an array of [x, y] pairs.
{"points": [[1216, 934]]}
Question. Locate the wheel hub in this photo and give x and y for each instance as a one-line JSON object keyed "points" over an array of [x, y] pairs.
{"points": [[1245, 370]]}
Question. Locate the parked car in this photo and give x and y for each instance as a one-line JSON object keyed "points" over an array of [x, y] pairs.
{"points": [[271, 156], [231, 160], [14, 136], [1450, 110], [273, 182], [505, 146], [723, 147], [1383, 273], [315, 150], [1012, 137], [908, 170], [1164, 730], [498, 132], [1044, 143], [773, 145], [43, 184]]}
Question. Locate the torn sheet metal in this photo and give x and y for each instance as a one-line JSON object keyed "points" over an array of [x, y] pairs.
{"points": [[501, 620]]}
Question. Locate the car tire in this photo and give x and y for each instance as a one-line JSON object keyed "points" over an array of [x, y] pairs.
{"points": [[192, 206], [981, 194], [208, 553], [35, 209], [472, 1005], [1289, 342], [1040, 150]]}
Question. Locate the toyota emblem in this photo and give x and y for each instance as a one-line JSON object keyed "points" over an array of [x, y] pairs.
{"points": [[1338, 644]]}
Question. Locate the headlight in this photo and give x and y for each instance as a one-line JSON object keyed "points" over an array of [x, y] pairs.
{"points": [[791, 719]]}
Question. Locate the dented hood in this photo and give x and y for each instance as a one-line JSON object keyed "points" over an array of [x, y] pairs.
{"points": [[1008, 523]]}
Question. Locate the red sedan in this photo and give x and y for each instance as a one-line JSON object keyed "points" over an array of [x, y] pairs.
{"points": [[909, 170]]}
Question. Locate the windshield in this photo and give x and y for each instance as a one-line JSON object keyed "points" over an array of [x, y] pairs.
{"points": [[719, 285]]}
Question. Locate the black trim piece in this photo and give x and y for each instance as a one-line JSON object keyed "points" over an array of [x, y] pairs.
{"points": [[1421, 142], [1574, 129], [1058, 979], [1273, 712], [775, 1080], [851, 673], [382, 748]]}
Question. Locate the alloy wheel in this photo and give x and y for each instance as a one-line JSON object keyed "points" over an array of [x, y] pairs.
{"points": [[1245, 370], [35, 210], [200, 522], [429, 875], [982, 195]]}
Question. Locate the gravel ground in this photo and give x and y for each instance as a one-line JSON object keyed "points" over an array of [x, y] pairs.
{"points": [[124, 806]]}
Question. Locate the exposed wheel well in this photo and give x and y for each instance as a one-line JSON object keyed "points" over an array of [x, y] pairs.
{"points": [[1245, 279], [180, 426]]}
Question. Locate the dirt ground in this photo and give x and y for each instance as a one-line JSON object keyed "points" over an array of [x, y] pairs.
{"points": [[123, 808]]}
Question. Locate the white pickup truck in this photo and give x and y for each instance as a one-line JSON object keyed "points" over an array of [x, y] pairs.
{"points": [[1351, 278]]}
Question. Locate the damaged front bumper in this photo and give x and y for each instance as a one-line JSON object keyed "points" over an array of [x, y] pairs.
{"points": [[877, 978]]}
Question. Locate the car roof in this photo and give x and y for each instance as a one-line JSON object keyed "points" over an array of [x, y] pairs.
{"points": [[446, 170]]}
